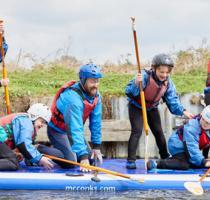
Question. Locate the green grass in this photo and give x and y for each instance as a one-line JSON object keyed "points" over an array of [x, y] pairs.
{"points": [[45, 82], [190, 82]]}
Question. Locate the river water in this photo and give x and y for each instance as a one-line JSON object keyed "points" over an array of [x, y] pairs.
{"points": [[57, 195]]}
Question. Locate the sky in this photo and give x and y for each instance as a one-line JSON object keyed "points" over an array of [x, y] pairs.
{"points": [[100, 30]]}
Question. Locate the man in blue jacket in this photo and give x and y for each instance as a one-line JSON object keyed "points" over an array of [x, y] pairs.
{"points": [[72, 105], [3, 82], [17, 134], [187, 145], [156, 85]]}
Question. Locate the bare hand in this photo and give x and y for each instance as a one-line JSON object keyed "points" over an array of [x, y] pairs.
{"points": [[96, 153], [46, 162], [4, 82], [188, 114], [207, 163], [1, 28], [85, 162], [138, 79]]}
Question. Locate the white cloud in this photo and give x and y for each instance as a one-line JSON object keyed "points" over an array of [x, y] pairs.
{"points": [[101, 29]]}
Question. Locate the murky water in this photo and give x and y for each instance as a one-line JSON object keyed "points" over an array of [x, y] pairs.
{"points": [[57, 195]]}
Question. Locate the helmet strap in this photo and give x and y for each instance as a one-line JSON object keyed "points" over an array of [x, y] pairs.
{"points": [[82, 84], [83, 81], [83, 88]]}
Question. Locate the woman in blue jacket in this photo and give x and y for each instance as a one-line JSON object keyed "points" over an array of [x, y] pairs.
{"points": [[187, 145], [156, 85]]}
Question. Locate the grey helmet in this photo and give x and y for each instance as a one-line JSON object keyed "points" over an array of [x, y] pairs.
{"points": [[162, 59]]}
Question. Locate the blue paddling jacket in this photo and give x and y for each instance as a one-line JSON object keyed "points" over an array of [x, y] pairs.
{"points": [[71, 106], [17, 131], [190, 139], [168, 94]]}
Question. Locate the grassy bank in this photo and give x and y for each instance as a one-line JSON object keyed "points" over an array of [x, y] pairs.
{"points": [[45, 79], [42, 82]]}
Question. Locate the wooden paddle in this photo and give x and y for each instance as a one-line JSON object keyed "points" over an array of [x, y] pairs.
{"points": [[196, 187], [143, 104], [90, 167], [4, 71]]}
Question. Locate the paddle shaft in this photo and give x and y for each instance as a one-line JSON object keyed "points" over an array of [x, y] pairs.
{"points": [[4, 72], [143, 104], [205, 175], [89, 166]]}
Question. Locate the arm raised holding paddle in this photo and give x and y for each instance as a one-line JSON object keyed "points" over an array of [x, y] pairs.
{"points": [[4, 81]]}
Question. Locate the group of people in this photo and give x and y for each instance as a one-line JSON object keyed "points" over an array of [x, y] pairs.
{"points": [[73, 104], [189, 145], [76, 101]]}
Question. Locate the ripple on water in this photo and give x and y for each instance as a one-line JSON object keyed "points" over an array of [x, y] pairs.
{"points": [[57, 195]]}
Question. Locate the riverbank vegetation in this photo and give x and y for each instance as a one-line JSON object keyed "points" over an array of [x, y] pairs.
{"points": [[43, 80], [189, 74]]}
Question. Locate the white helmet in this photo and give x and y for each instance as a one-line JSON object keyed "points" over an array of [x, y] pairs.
{"points": [[39, 110], [206, 113]]}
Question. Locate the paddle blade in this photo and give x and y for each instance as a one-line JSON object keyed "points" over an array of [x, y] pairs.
{"points": [[194, 187]]}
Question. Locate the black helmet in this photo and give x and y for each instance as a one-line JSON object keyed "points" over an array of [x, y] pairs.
{"points": [[162, 59]]}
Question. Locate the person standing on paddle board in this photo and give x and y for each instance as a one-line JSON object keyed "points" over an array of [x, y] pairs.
{"points": [[3, 82], [207, 89], [17, 135], [156, 84], [72, 105], [187, 145]]}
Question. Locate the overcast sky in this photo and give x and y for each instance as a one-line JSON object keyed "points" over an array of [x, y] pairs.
{"points": [[101, 29]]}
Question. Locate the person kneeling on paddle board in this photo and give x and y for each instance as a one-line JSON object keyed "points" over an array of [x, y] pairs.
{"points": [[207, 89], [187, 145], [72, 105], [156, 84], [17, 135], [3, 82]]}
